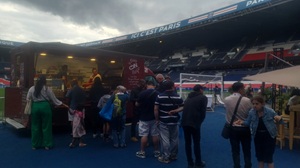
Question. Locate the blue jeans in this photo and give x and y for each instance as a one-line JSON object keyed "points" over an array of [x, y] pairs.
{"points": [[168, 140], [119, 131]]}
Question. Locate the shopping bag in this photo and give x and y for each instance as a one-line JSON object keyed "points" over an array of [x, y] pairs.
{"points": [[107, 111], [27, 109], [226, 131]]}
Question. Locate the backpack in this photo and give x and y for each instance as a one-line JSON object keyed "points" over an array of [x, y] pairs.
{"points": [[117, 112]]}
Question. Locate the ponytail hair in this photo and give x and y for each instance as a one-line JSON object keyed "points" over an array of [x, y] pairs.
{"points": [[40, 83]]}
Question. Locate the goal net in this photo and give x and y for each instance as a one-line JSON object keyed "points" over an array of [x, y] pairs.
{"points": [[213, 87]]}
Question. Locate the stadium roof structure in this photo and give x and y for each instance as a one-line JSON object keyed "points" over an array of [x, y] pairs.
{"points": [[58, 48], [245, 20], [9, 44]]}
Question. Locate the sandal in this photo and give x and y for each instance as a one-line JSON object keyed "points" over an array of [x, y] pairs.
{"points": [[72, 145], [82, 144]]}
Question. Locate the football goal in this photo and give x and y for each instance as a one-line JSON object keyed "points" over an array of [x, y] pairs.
{"points": [[213, 87]]}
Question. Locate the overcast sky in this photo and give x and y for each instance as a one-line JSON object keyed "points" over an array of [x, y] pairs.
{"points": [[79, 21]]}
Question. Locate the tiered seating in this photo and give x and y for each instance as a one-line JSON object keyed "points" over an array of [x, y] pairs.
{"points": [[154, 64], [237, 58], [250, 52], [256, 54], [194, 61], [218, 58], [237, 75], [174, 61], [162, 66], [175, 76], [176, 55]]}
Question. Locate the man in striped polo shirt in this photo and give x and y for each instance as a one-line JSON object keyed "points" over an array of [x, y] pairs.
{"points": [[167, 107]]}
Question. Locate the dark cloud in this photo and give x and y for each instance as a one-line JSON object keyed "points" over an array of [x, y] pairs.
{"points": [[125, 15], [94, 13], [101, 16]]}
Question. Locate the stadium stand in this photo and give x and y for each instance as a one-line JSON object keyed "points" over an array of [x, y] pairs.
{"points": [[259, 53], [237, 75], [194, 61], [249, 51]]}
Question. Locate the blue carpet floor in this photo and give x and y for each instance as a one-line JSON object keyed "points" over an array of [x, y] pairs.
{"points": [[15, 150]]}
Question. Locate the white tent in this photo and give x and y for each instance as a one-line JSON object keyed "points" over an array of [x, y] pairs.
{"points": [[287, 76]]}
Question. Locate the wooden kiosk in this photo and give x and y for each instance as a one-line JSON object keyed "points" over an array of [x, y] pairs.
{"points": [[54, 59]]}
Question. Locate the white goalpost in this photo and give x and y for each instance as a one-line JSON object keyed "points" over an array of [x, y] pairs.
{"points": [[210, 82]]}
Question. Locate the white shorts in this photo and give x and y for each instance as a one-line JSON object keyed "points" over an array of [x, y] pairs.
{"points": [[148, 128]]}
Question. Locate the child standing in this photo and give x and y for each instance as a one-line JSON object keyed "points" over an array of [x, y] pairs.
{"points": [[119, 117], [102, 102], [78, 126], [261, 121]]}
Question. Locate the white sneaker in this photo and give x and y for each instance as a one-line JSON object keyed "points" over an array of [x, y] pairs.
{"points": [[141, 154], [163, 160], [156, 154]]}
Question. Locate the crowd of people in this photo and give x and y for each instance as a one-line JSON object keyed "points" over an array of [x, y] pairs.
{"points": [[157, 109]]}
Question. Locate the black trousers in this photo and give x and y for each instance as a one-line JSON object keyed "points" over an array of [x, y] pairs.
{"points": [[241, 136], [95, 118], [134, 121], [191, 133]]}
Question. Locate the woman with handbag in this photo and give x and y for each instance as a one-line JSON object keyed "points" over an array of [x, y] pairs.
{"points": [[41, 114]]}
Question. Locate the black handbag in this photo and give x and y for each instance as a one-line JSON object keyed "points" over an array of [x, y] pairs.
{"points": [[226, 131], [227, 127]]}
